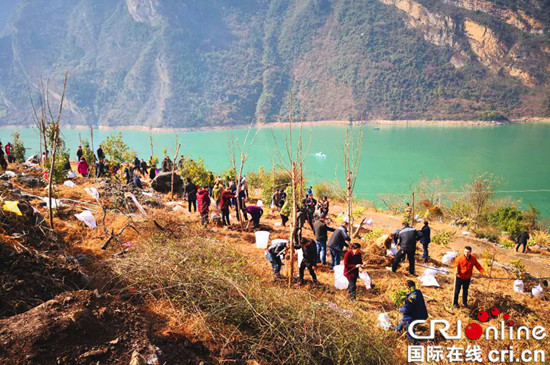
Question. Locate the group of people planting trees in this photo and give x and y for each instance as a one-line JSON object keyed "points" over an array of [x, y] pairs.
{"points": [[229, 192]]}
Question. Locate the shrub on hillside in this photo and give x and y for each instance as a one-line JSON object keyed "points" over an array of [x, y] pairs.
{"points": [[508, 219], [18, 148], [458, 210], [328, 189], [59, 170], [443, 238], [489, 234], [195, 170], [539, 237], [194, 272], [272, 181], [116, 150]]}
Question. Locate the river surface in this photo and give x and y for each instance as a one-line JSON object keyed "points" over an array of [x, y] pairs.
{"points": [[393, 156]]}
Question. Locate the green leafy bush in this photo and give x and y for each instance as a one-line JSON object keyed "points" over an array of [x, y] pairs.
{"points": [[398, 295], [490, 234], [508, 219], [373, 235], [116, 150], [59, 170], [507, 243], [195, 170], [18, 148], [272, 181], [443, 238], [328, 189], [459, 209]]}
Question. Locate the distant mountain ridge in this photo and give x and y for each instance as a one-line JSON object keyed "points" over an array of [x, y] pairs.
{"points": [[185, 64]]}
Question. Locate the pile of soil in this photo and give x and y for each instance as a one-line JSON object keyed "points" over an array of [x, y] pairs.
{"points": [[28, 279], [79, 327], [115, 194]]}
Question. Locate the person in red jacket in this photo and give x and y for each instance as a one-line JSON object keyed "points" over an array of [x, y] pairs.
{"points": [[82, 167], [352, 263], [225, 203], [464, 268], [203, 200]]}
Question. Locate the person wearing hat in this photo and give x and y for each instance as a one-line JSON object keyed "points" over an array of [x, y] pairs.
{"points": [[352, 263], [321, 236], [337, 243]]}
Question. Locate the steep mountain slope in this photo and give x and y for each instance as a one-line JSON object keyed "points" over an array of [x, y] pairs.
{"points": [[219, 62]]}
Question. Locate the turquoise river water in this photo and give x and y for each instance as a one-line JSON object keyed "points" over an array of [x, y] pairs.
{"points": [[393, 156]]}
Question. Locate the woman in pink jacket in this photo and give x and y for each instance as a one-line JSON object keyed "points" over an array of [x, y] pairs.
{"points": [[82, 167]]}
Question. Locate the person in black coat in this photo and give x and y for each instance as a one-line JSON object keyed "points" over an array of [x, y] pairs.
{"points": [[337, 243], [522, 240], [407, 240], [425, 240], [309, 261], [100, 154], [414, 309], [191, 193], [79, 153], [321, 237]]}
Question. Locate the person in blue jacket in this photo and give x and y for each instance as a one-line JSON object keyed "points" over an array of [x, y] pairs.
{"points": [[414, 309]]}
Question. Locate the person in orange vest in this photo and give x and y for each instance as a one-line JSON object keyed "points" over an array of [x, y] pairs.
{"points": [[464, 267]]}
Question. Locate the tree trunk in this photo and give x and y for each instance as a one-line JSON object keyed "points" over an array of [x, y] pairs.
{"points": [[292, 224], [50, 177], [349, 198], [172, 176], [92, 163]]}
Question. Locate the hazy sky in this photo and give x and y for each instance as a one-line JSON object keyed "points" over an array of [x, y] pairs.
{"points": [[6, 8]]}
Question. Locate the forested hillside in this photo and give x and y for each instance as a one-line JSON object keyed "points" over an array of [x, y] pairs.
{"points": [[172, 63]]}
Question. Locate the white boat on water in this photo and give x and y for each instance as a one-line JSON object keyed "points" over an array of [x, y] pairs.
{"points": [[320, 155]]}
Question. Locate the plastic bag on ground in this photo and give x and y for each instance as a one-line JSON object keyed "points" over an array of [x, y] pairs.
{"points": [[537, 291], [88, 218], [260, 203], [428, 280], [384, 321], [369, 222], [11, 206], [366, 279], [10, 173], [147, 194], [69, 183], [178, 208], [55, 202], [71, 174], [449, 257], [140, 208], [340, 281], [92, 192], [519, 286]]}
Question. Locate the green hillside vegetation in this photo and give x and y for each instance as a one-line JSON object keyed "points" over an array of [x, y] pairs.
{"points": [[226, 63]]}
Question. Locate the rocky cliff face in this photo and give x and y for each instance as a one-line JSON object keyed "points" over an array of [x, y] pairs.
{"points": [[482, 41], [187, 64], [144, 11]]}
